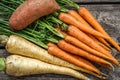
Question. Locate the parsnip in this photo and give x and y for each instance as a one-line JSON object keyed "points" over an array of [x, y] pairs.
{"points": [[22, 66]]}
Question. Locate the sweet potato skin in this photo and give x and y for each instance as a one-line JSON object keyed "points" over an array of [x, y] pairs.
{"points": [[31, 10]]}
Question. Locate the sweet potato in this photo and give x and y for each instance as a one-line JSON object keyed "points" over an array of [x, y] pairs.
{"points": [[29, 11]]}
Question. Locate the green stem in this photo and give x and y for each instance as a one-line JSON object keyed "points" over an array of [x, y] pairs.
{"points": [[49, 27], [58, 22], [7, 7], [52, 40], [2, 64], [63, 9], [49, 38], [34, 40], [68, 3]]}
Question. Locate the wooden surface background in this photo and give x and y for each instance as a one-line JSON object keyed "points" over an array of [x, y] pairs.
{"points": [[108, 14]]}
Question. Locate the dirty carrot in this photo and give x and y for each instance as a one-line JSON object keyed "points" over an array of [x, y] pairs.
{"points": [[76, 15], [77, 51], [67, 18], [91, 20], [21, 66], [54, 50], [31, 10]]}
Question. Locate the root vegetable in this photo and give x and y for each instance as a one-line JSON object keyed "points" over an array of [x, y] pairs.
{"points": [[76, 15], [67, 18], [23, 66], [56, 51], [75, 32], [77, 51], [91, 20], [29, 11], [19, 46]]}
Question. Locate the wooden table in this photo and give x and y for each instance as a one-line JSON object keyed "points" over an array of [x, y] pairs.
{"points": [[108, 14]]}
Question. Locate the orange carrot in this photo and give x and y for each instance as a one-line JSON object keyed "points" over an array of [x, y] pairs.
{"points": [[77, 51], [83, 60], [92, 20], [79, 18], [101, 44], [54, 50], [103, 41], [78, 43], [75, 32], [85, 47], [67, 18]]}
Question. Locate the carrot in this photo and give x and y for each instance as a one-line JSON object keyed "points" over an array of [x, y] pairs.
{"points": [[72, 21], [101, 44], [83, 46], [77, 57], [103, 41], [75, 32], [78, 43], [76, 15], [29, 49], [31, 10], [83, 60], [77, 51], [91, 20], [21, 66], [53, 49]]}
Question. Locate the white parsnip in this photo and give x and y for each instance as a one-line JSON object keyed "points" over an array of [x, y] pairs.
{"points": [[22, 66]]}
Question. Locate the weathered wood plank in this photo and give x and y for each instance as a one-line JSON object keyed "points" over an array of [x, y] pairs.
{"points": [[109, 17], [96, 1]]}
